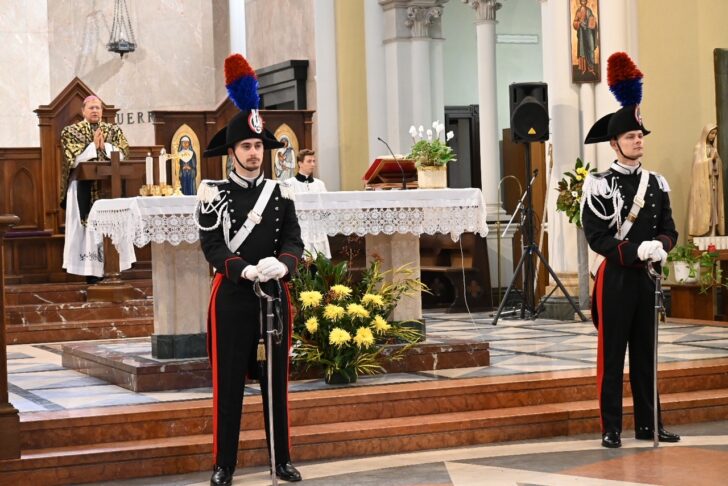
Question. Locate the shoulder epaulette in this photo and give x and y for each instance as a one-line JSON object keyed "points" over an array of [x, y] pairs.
{"points": [[287, 190], [661, 181], [208, 190]]}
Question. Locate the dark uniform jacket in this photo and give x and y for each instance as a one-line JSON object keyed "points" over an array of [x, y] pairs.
{"points": [[654, 221], [277, 235]]}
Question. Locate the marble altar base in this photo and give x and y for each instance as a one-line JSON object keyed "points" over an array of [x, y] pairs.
{"points": [[129, 363], [181, 283], [395, 251]]}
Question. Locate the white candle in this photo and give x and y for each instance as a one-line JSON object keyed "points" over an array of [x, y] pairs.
{"points": [[162, 167], [150, 169]]}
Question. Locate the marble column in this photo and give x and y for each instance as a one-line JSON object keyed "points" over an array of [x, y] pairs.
{"points": [[414, 88], [9, 419], [487, 100]]}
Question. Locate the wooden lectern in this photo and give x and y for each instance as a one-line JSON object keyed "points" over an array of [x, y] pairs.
{"points": [[111, 174], [387, 172]]}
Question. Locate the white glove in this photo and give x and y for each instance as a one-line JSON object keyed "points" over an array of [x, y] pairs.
{"points": [[271, 268], [250, 272], [647, 248], [659, 256]]}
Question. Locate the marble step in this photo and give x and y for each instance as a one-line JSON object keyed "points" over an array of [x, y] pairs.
{"points": [[57, 293], [77, 312], [396, 401], [111, 328], [182, 454]]}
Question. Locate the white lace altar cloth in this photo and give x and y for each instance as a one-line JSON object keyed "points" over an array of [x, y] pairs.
{"points": [[421, 211], [141, 220]]}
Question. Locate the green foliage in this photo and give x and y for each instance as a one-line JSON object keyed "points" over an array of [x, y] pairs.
{"points": [[341, 325], [702, 265], [570, 191], [435, 153]]}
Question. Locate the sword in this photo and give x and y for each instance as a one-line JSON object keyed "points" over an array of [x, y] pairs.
{"points": [[261, 356], [659, 312]]}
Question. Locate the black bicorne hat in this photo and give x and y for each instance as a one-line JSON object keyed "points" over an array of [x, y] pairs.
{"points": [[243, 126], [625, 82], [242, 86], [614, 124]]}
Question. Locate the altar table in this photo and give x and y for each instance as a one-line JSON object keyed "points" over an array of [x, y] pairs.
{"points": [[180, 273], [391, 221]]}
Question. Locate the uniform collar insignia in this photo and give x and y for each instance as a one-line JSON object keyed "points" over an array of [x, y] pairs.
{"points": [[245, 183], [302, 178], [626, 170]]}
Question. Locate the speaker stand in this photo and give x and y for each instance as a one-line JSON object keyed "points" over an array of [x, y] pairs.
{"points": [[525, 264]]}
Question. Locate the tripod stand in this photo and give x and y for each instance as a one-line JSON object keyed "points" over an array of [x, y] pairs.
{"points": [[525, 264]]}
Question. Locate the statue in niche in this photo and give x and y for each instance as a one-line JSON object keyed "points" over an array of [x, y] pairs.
{"points": [[705, 203], [187, 166]]}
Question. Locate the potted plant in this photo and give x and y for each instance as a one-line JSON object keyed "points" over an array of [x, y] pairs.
{"points": [[341, 325], [684, 262], [692, 265], [431, 155]]}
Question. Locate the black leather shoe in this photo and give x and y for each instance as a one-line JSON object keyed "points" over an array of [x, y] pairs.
{"points": [[611, 440], [645, 433], [222, 476], [287, 472]]}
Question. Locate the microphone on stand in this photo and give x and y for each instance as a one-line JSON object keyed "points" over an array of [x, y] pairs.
{"points": [[404, 182]]}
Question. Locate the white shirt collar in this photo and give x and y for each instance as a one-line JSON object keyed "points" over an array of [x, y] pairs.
{"points": [[246, 183], [626, 170]]}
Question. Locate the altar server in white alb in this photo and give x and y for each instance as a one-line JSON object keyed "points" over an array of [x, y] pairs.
{"points": [[304, 182], [89, 140]]}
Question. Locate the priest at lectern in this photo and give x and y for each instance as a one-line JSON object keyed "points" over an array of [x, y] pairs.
{"points": [[88, 140]]}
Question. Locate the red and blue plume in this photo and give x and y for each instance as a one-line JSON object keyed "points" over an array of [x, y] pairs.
{"points": [[241, 83], [624, 79]]}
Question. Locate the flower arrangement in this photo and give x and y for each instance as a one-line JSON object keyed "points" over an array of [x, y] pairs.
{"points": [[431, 150], [341, 325], [570, 191]]}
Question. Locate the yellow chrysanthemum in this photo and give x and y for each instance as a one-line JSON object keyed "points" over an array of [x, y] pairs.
{"points": [[373, 299], [333, 312], [579, 177], [357, 310], [339, 337], [582, 171], [312, 325], [340, 291], [380, 324], [364, 337], [310, 298]]}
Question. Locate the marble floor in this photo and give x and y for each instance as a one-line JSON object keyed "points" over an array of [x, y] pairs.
{"points": [[38, 381], [700, 458]]}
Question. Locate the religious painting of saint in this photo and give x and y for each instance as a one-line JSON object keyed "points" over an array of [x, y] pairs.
{"points": [[283, 160], [185, 150], [585, 52]]}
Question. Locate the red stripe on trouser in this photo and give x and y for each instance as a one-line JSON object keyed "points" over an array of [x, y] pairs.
{"points": [[599, 291], [212, 353], [288, 362]]}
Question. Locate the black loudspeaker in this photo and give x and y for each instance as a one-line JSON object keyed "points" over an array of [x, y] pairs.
{"points": [[529, 112]]}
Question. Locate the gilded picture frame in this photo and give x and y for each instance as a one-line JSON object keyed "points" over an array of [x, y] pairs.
{"points": [[283, 160], [185, 156]]}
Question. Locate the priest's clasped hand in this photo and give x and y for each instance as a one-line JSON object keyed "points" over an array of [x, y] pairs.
{"points": [[270, 268]]}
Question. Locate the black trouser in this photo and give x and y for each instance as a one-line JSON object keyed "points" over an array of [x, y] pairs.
{"points": [[233, 333], [625, 305]]}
